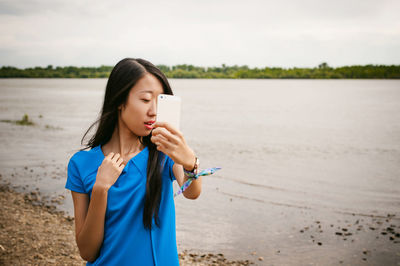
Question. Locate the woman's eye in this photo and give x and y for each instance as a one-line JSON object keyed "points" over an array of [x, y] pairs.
{"points": [[145, 100]]}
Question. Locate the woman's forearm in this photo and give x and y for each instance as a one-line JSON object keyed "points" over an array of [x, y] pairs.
{"points": [[90, 237], [194, 190]]}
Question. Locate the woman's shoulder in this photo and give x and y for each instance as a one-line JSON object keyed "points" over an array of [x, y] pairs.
{"points": [[80, 167], [84, 154], [86, 158]]}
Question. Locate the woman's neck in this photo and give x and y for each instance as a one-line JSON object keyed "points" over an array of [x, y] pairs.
{"points": [[124, 142]]}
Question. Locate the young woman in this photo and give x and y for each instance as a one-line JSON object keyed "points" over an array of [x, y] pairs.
{"points": [[122, 187]]}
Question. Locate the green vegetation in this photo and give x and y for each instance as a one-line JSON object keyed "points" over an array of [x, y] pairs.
{"points": [[323, 71], [23, 122], [58, 72], [52, 127]]}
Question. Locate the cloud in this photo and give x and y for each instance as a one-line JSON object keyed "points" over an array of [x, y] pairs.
{"points": [[255, 33]]}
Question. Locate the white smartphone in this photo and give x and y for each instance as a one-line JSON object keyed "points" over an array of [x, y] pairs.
{"points": [[169, 109]]}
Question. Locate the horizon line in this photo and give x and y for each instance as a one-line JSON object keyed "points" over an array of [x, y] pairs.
{"points": [[218, 66]]}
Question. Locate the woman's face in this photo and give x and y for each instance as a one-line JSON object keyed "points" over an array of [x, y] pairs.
{"points": [[141, 105]]}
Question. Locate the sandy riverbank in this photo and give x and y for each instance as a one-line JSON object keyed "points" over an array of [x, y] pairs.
{"points": [[35, 233]]}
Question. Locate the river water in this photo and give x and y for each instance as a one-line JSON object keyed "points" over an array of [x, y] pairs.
{"points": [[301, 161]]}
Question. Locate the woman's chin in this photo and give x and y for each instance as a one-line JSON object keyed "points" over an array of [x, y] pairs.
{"points": [[145, 133]]}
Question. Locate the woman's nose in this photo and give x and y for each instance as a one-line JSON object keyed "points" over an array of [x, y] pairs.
{"points": [[153, 108]]}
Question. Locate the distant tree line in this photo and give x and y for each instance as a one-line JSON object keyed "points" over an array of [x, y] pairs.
{"points": [[323, 71]]}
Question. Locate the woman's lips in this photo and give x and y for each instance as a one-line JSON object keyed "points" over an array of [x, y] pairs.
{"points": [[149, 124]]}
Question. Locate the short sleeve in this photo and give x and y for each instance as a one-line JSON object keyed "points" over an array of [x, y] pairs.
{"points": [[74, 181], [169, 167]]}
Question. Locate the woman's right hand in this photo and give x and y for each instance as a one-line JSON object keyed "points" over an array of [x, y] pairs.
{"points": [[109, 170]]}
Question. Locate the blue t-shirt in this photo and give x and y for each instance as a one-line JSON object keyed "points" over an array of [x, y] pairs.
{"points": [[126, 241]]}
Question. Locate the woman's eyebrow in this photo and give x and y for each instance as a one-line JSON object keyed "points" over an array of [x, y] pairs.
{"points": [[149, 91]]}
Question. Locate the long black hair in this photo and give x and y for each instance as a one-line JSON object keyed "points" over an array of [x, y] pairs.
{"points": [[123, 77]]}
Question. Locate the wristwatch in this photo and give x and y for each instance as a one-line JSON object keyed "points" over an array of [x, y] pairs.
{"points": [[195, 170]]}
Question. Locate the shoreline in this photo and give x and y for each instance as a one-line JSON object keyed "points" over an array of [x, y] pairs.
{"points": [[27, 222]]}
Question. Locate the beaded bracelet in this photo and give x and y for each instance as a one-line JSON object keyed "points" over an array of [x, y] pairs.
{"points": [[208, 171]]}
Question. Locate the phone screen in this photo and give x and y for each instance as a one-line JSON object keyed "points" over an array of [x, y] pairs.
{"points": [[169, 109]]}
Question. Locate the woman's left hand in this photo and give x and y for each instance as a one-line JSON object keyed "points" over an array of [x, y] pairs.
{"points": [[170, 141]]}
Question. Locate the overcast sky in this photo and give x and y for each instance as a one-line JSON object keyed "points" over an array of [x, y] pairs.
{"points": [[284, 33]]}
